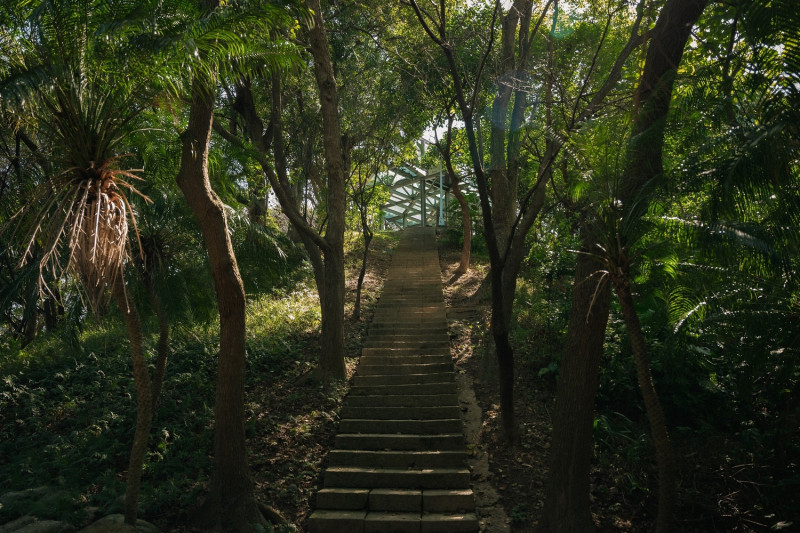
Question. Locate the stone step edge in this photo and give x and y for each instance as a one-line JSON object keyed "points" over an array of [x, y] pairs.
{"points": [[410, 500], [325, 521], [398, 458]]}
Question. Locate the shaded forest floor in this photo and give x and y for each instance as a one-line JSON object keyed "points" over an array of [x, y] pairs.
{"points": [[66, 418], [519, 474], [67, 413], [722, 487]]}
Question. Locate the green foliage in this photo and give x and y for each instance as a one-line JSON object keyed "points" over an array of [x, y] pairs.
{"points": [[542, 303], [454, 230], [715, 257], [66, 416]]}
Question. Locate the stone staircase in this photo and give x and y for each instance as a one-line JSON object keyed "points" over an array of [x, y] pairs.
{"points": [[399, 460]]}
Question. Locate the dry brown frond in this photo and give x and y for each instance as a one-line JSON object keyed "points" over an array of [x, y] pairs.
{"points": [[84, 213], [98, 240]]}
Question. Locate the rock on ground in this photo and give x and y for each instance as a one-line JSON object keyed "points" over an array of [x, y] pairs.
{"points": [[29, 524]]}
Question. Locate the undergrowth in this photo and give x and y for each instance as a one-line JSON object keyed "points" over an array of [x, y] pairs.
{"points": [[67, 410], [67, 417]]}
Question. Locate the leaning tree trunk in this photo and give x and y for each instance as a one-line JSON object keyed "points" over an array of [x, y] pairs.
{"points": [[567, 502], [230, 502], [566, 507], [665, 460], [325, 253], [144, 410]]}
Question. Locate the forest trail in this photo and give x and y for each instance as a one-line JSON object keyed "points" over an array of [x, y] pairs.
{"points": [[399, 460]]}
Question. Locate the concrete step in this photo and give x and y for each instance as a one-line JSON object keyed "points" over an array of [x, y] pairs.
{"points": [[422, 279], [388, 441], [325, 521], [449, 523], [402, 412], [399, 360], [397, 500], [448, 500], [387, 302], [396, 478], [403, 312], [408, 337], [438, 350], [418, 345], [385, 522], [420, 302], [414, 389], [422, 427], [399, 313], [402, 400], [424, 276], [402, 369], [342, 499], [419, 326], [403, 379], [425, 500], [438, 326], [398, 459]]}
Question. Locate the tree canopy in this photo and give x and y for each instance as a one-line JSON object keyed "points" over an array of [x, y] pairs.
{"points": [[627, 171]]}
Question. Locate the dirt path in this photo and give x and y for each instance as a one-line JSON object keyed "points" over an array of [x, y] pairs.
{"points": [[491, 514]]}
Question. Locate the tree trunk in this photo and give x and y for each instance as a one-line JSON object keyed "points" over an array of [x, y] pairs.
{"points": [[567, 492], [567, 501], [315, 256], [445, 150], [466, 222], [367, 240], [466, 219], [332, 361], [643, 170], [317, 263], [162, 348], [52, 311], [144, 411], [654, 93], [30, 323], [665, 460], [30, 312], [325, 253], [503, 191], [230, 503], [517, 249]]}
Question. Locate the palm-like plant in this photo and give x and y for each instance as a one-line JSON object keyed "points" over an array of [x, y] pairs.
{"points": [[63, 91], [63, 81]]}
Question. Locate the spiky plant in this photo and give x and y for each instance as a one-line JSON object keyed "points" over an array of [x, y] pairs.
{"points": [[81, 220], [62, 83], [62, 88]]}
